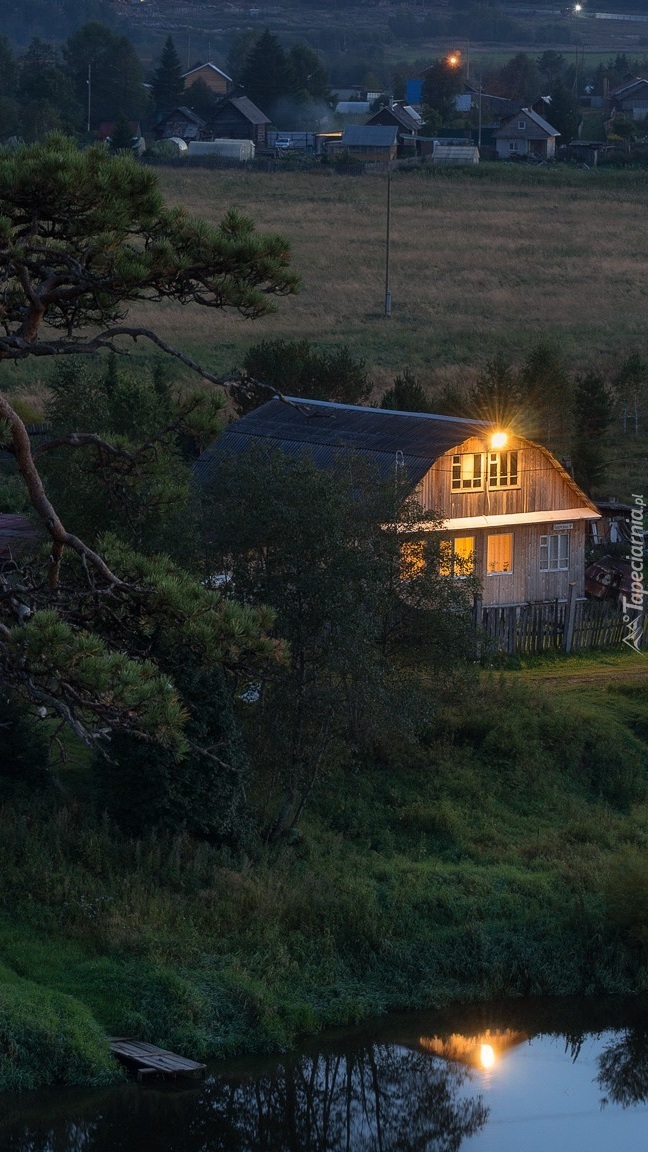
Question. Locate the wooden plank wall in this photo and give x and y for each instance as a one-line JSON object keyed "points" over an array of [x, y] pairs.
{"points": [[527, 629]]}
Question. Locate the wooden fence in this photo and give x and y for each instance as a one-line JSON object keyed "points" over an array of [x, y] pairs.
{"points": [[569, 626]]}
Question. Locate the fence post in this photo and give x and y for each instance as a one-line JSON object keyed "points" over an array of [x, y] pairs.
{"points": [[478, 624], [570, 616]]}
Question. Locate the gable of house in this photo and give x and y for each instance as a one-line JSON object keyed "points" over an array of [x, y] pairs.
{"points": [[216, 80], [528, 125]]}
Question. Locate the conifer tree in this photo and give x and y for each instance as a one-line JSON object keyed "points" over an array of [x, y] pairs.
{"points": [[268, 75], [168, 83], [593, 409]]}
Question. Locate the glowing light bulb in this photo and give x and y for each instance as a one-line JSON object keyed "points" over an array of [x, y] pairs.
{"points": [[487, 1055], [498, 439]]}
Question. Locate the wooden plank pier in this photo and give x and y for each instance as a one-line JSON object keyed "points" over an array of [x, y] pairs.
{"points": [[149, 1060]]}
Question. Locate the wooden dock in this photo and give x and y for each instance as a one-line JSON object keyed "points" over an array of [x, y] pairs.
{"points": [[149, 1060]]}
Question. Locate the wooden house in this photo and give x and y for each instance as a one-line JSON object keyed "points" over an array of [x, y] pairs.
{"points": [[237, 118], [511, 514], [217, 81], [631, 99], [526, 134], [181, 123]]}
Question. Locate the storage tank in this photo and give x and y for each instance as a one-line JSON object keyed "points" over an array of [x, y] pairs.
{"points": [[230, 149]]}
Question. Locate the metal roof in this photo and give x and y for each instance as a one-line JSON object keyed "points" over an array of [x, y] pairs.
{"points": [[208, 64], [536, 122], [324, 432], [369, 136], [244, 105]]}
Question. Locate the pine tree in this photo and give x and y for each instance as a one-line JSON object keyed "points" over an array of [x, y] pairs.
{"points": [[168, 84], [406, 395], [593, 409], [99, 239], [268, 75]]}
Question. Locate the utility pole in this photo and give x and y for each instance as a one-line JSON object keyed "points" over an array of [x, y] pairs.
{"points": [[89, 83], [388, 300]]}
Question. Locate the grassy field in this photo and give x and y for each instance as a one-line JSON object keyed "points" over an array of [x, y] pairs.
{"points": [[481, 262]]}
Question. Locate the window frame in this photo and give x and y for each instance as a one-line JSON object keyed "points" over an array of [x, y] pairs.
{"points": [[495, 458], [474, 484], [562, 554]]}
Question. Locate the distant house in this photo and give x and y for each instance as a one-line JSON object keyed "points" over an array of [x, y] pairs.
{"points": [[406, 121], [181, 123], [526, 134], [511, 513], [631, 99], [217, 81], [369, 142], [237, 118]]}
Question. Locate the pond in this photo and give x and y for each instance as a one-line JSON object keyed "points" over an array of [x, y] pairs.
{"points": [[513, 1077]]}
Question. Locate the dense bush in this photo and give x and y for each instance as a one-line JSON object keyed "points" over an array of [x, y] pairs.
{"points": [[49, 1038]]}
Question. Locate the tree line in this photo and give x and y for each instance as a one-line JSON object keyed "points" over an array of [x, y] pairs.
{"points": [[97, 76]]}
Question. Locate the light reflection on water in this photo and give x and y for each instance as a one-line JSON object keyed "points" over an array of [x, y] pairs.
{"points": [[563, 1076]]}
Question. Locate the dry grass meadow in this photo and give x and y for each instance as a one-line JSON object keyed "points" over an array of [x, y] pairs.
{"points": [[480, 263]]}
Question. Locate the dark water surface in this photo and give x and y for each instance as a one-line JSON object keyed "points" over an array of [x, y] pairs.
{"points": [[525, 1076]]}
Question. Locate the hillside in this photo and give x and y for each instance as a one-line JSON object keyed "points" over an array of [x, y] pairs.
{"points": [[507, 857]]}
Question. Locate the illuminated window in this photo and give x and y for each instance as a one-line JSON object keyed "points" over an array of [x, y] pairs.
{"points": [[554, 552], [457, 557], [467, 471], [499, 555], [503, 469], [412, 559]]}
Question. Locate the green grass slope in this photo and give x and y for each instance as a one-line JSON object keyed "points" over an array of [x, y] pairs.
{"points": [[508, 857]]}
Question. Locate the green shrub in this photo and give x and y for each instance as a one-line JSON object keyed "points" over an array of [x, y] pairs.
{"points": [[48, 1038]]}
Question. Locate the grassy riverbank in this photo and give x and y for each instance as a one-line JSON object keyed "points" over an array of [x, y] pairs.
{"points": [[506, 857]]}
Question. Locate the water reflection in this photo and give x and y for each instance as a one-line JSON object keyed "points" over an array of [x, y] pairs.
{"points": [[481, 1051], [623, 1064], [379, 1099], [405, 1084]]}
